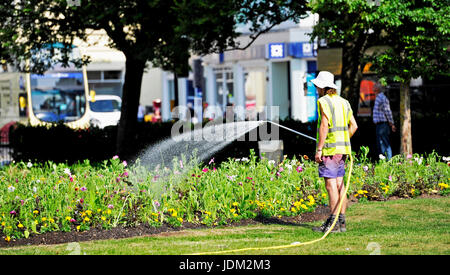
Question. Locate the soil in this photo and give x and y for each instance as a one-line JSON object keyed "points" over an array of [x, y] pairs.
{"points": [[321, 213]]}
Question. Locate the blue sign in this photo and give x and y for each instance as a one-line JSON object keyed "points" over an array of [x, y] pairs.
{"points": [[276, 50], [57, 75], [302, 49]]}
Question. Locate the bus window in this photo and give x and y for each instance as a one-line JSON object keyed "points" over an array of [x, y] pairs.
{"points": [[58, 96]]}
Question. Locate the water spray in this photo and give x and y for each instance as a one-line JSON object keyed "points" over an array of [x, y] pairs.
{"points": [[294, 244], [289, 129]]}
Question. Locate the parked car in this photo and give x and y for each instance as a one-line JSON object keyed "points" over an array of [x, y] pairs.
{"points": [[105, 110]]}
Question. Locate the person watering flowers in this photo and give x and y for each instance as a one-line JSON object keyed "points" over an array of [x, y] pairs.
{"points": [[335, 126]]}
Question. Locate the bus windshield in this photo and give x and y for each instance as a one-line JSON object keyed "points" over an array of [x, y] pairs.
{"points": [[105, 106], [58, 96]]}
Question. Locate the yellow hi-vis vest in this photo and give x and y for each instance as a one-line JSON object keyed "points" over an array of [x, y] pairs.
{"points": [[338, 112]]}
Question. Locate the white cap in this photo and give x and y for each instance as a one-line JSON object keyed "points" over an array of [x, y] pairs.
{"points": [[324, 79]]}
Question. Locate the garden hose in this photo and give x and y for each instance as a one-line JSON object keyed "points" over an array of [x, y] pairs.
{"points": [[296, 243]]}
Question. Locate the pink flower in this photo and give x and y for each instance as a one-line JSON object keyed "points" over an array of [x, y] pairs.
{"points": [[408, 156], [125, 174], [390, 178], [13, 212], [83, 188], [211, 161], [204, 170], [72, 220], [124, 163], [115, 157], [299, 169], [181, 164], [249, 178], [71, 179], [110, 206], [281, 169]]}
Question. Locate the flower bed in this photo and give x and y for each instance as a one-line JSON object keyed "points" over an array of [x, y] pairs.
{"points": [[37, 198]]}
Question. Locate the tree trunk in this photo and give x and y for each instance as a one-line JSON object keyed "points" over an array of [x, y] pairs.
{"points": [[405, 120], [126, 133]]}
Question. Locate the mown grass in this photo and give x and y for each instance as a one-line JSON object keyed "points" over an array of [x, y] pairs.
{"points": [[402, 227]]}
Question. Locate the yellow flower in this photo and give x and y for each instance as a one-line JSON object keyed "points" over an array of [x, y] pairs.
{"points": [[44, 219], [20, 225], [293, 209], [35, 212], [180, 219], [3, 223], [304, 207], [103, 218], [89, 212], [282, 209], [443, 185], [51, 220], [78, 228], [68, 218], [8, 238], [235, 215], [174, 213], [235, 204], [232, 210], [86, 219]]}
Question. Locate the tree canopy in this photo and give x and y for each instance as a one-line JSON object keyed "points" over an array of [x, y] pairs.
{"points": [[163, 32]]}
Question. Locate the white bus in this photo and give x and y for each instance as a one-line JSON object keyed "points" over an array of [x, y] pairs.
{"points": [[59, 95]]}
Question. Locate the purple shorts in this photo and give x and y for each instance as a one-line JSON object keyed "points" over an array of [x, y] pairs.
{"points": [[332, 166]]}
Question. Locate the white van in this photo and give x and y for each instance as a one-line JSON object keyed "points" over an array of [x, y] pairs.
{"points": [[105, 110]]}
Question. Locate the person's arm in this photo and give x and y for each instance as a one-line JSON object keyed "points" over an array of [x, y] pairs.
{"points": [[388, 113], [323, 132], [353, 126]]}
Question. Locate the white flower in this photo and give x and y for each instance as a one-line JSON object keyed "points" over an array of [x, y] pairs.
{"points": [[382, 157], [272, 162], [419, 160], [29, 164], [244, 159], [34, 189], [67, 171], [237, 160], [446, 158], [288, 166], [11, 188]]}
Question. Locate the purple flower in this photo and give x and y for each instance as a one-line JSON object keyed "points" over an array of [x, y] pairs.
{"points": [[110, 206], [365, 167], [157, 204], [240, 183], [13, 212], [83, 188]]}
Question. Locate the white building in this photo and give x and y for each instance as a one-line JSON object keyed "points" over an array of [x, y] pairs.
{"points": [[273, 71]]}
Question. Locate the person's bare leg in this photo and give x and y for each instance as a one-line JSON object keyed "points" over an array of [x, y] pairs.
{"points": [[342, 195], [333, 194]]}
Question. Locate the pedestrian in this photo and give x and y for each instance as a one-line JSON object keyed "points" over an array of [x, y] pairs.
{"points": [[141, 113], [335, 126], [384, 122]]}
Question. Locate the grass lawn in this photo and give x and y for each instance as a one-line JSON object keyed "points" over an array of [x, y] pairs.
{"points": [[412, 226]]}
